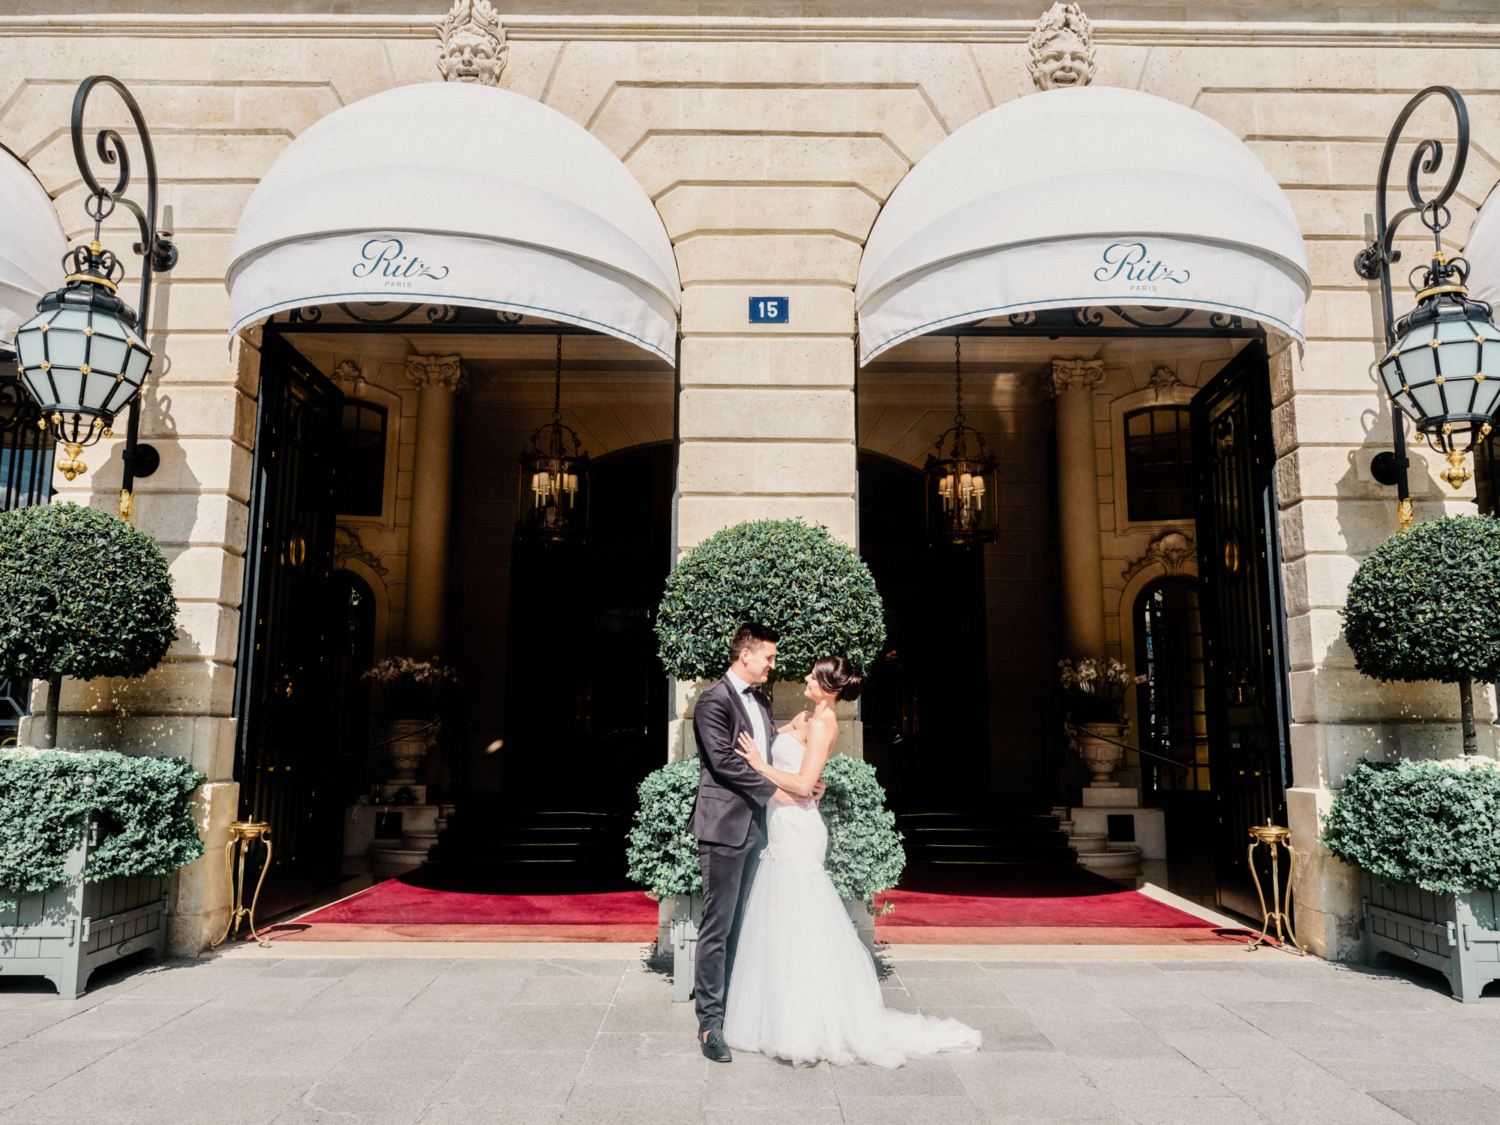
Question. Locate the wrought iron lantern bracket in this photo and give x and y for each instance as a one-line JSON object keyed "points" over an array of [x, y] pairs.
{"points": [[83, 357], [1433, 369]]}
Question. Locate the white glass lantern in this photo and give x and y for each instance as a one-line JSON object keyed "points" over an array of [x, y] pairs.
{"points": [[80, 357], [1444, 371]]}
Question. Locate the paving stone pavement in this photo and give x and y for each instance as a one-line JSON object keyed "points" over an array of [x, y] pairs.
{"points": [[597, 1041]]}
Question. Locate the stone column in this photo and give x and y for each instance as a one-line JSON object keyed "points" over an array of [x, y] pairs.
{"points": [[440, 379], [1072, 384]]}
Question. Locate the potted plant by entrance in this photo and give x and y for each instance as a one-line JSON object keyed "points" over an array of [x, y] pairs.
{"points": [[1094, 698], [86, 839], [87, 842], [82, 594], [1425, 605], [410, 695], [865, 855], [812, 589], [1427, 837]]}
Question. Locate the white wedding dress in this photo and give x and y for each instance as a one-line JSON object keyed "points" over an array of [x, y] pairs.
{"points": [[803, 986]]}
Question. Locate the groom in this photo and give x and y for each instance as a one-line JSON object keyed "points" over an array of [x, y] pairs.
{"points": [[729, 818]]}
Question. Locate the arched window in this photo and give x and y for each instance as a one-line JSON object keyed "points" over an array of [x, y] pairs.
{"points": [[1159, 463], [1169, 653], [359, 482]]}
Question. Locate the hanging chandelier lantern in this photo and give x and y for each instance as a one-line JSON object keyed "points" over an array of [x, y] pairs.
{"points": [[554, 477], [82, 357], [961, 495]]}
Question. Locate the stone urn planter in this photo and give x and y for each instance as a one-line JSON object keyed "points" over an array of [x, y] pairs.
{"points": [[864, 922], [407, 742], [687, 913], [67, 932], [1099, 755], [1456, 934]]}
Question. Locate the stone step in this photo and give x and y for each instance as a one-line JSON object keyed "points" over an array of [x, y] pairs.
{"points": [[1121, 862]]}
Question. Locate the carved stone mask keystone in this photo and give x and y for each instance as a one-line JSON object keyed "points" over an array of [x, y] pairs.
{"points": [[1061, 49]]}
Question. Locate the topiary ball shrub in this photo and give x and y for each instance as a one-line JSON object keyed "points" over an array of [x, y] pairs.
{"points": [[1425, 604], [660, 855], [143, 805], [796, 578], [865, 855], [82, 594], [1435, 825]]}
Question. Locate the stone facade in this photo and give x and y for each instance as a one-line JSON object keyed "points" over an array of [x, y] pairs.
{"points": [[768, 145]]}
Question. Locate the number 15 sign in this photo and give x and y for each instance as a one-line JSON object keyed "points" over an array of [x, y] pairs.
{"points": [[769, 310]]}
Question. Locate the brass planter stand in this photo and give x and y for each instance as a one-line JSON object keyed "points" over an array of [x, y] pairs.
{"points": [[1273, 836], [243, 833]]}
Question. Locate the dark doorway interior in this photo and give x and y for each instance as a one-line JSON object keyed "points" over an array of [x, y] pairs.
{"points": [[353, 648], [1172, 709], [924, 707], [586, 698]]}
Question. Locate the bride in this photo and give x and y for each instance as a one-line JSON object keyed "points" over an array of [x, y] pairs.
{"points": [[803, 986]]}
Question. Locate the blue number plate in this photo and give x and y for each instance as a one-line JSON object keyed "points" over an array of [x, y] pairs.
{"points": [[769, 310]]}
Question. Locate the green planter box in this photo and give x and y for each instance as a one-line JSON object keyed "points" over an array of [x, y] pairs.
{"points": [[1456, 934], [65, 933]]}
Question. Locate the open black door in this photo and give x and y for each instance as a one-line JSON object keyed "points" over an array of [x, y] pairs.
{"points": [[1243, 615], [288, 747]]}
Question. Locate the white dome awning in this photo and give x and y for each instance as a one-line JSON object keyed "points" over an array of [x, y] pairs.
{"points": [[32, 245], [458, 194], [1087, 196], [1482, 252]]}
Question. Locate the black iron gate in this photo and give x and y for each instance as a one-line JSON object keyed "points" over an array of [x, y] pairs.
{"points": [[1244, 620], [25, 479], [287, 745]]}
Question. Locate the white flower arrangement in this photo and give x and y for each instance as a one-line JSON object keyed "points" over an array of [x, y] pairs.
{"points": [[394, 669], [1096, 689]]}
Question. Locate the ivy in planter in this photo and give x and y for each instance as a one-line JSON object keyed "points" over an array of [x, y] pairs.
{"points": [[865, 855], [795, 578], [1435, 825], [144, 806], [82, 594], [1425, 605]]}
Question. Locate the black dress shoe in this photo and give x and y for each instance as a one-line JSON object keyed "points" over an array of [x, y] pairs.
{"points": [[715, 1048]]}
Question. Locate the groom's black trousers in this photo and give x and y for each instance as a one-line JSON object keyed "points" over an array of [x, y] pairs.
{"points": [[727, 875]]}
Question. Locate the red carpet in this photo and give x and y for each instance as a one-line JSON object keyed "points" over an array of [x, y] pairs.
{"points": [[398, 911], [1013, 906], [394, 902], [1116, 908]]}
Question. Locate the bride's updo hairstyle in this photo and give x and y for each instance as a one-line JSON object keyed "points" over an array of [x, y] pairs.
{"points": [[837, 676]]}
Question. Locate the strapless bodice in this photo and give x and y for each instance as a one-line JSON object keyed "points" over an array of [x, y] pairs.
{"points": [[786, 753]]}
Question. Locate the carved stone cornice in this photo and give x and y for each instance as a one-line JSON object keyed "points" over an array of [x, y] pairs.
{"points": [[437, 371], [347, 545], [1085, 374], [1173, 549]]}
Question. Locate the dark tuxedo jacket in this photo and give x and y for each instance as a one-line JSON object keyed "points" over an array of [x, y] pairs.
{"points": [[729, 791]]}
